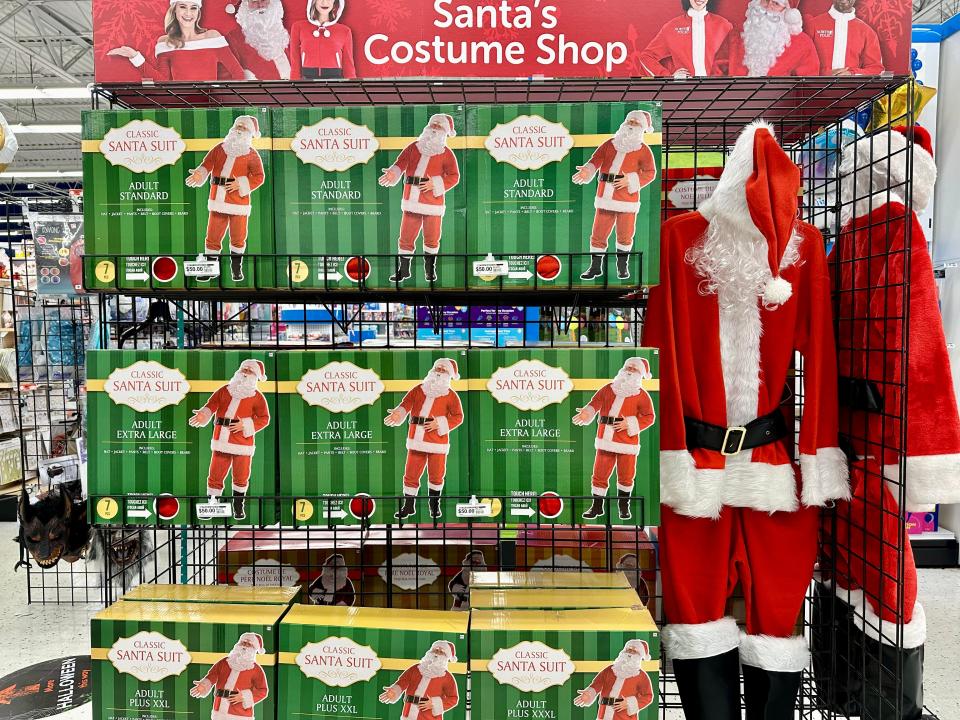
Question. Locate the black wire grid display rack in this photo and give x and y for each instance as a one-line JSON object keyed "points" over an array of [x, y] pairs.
{"points": [[701, 120]]}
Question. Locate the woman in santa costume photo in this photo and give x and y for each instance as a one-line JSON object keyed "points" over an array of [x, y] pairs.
{"points": [[744, 287], [623, 687], [239, 411], [321, 47], [845, 44], [427, 689], [187, 51], [237, 682], [773, 42], [692, 44], [623, 166], [260, 40]]}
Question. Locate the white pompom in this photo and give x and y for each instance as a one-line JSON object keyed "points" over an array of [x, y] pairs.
{"points": [[231, 9], [777, 291], [793, 20]]}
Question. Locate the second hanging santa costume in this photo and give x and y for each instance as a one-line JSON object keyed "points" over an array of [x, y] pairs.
{"points": [[744, 286]]}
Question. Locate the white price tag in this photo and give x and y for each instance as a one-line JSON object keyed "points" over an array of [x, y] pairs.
{"points": [[211, 510], [490, 268], [201, 268]]}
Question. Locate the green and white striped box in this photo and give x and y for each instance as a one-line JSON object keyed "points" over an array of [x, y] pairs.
{"points": [[527, 448], [161, 660], [568, 664], [146, 458], [526, 202], [335, 409], [373, 663], [329, 163], [138, 204]]}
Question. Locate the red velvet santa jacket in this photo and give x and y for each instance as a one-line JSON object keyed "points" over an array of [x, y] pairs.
{"points": [[255, 66], [441, 170], [673, 47], [636, 692], [319, 51], [862, 55], [636, 411], [637, 166], [798, 58], [248, 171], [441, 691], [446, 410], [251, 684], [197, 60], [252, 412]]}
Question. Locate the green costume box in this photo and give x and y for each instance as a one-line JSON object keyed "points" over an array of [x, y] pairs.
{"points": [[366, 425], [162, 660], [376, 664], [546, 579], [163, 187], [578, 664], [167, 425], [571, 191], [223, 594], [549, 424], [551, 598], [364, 185]]}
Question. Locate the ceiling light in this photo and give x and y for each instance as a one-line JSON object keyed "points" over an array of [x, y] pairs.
{"points": [[35, 174], [41, 129], [54, 93]]}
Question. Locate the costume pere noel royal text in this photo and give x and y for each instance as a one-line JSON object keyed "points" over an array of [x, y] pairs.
{"points": [[623, 688], [427, 689], [237, 682]]}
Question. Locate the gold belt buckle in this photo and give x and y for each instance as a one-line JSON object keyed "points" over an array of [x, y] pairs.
{"points": [[743, 436]]}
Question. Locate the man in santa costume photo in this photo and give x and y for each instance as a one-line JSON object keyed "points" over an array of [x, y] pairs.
{"points": [[237, 682], [773, 42], [691, 44], [744, 287], [623, 688], [845, 44], [459, 586], [623, 410], [434, 411], [623, 165], [235, 170], [260, 40], [429, 170], [239, 411], [333, 586], [427, 689]]}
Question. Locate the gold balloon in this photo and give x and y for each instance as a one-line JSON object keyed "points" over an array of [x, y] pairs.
{"points": [[894, 108]]}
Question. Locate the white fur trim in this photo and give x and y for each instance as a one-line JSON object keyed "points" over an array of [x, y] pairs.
{"points": [[430, 250], [248, 428], [428, 447], [206, 415], [884, 631], [633, 707], [420, 208], [602, 203], [443, 426], [616, 447], [730, 195], [825, 476], [624, 248], [248, 75], [397, 173], [228, 208], [777, 291], [208, 44], [204, 687], [409, 491], [598, 491], [633, 425], [233, 449], [138, 60], [247, 697], [238, 488], [793, 20], [633, 181], [435, 487], [438, 189], [213, 492], [701, 640], [244, 182], [238, 251], [624, 488], [436, 705], [777, 654], [930, 479]]}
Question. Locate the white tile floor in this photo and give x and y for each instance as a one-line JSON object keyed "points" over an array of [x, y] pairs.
{"points": [[43, 632]]}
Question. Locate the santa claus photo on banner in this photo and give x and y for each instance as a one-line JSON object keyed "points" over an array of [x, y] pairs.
{"points": [[459, 585], [433, 411], [845, 44], [237, 682], [187, 51], [429, 170], [773, 42], [623, 165], [692, 44], [238, 411], [235, 171], [333, 586], [623, 688], [259, 40], [427, 689], [623, 410], [321, 47]]}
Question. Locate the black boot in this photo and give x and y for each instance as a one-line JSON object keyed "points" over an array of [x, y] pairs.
{"points": [[624, 500], [770, 695], [430, 267], [709, 687], [880, 685], [239, 505], [236, 267], [408, 508], [595, 269], [403, 269], [595, 510], [435, 503], [623, 265]]}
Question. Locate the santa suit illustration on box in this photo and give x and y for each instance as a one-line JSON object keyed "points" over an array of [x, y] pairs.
{"points": [[692, 44], [744, 286], [623, 410], [623, 166], [427, 689], [238, 411], [621, 689], [237, 682], [321, 47], [459, 586], [333, 586], [845, 44], [260, 41], [429, 170], [433, 411], [235, 171], [773, 42], [187, 52]]}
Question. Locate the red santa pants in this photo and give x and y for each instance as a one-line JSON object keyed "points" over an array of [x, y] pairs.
{"points": [[221, 463], [217, 225], [603, 223], [603, 466], [435, 464], [410, 226]]}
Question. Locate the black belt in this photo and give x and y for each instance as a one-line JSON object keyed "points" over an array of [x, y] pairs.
{"points": [[609, 420], [730, 441], [223, 421], [414, 699], [223, 693], [608, 177], [416, 420], [414, 180], [610, 700], [860, 394], [217, 180], [312, 73]]}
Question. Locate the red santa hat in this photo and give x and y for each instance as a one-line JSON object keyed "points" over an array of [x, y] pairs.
{"points": [[641, 364], [256, 366], [791, 15], [446, 121], [447, 648], [252, 119], [643, 117], [640, 647], [450, 366], [254, 639]]}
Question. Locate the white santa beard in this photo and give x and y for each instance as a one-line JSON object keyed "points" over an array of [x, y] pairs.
{"points": [[431, 142], [237, 143], [432, 666], [765, 37], [628, 139], [436, 384], [626, 384], [242, 658], [242, 386], [263, 30], [627, 665]]}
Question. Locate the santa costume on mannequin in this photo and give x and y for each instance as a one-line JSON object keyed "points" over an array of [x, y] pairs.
{"points": [[239, 411], [691, 44], [623, 410], [433, 409], [235, 170], [845, 44], [624, 689], [237, 682], [623, 166], [773, 42], [429, 170], [333, 586], [744, 285], [260, 40], [427, 689]]}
